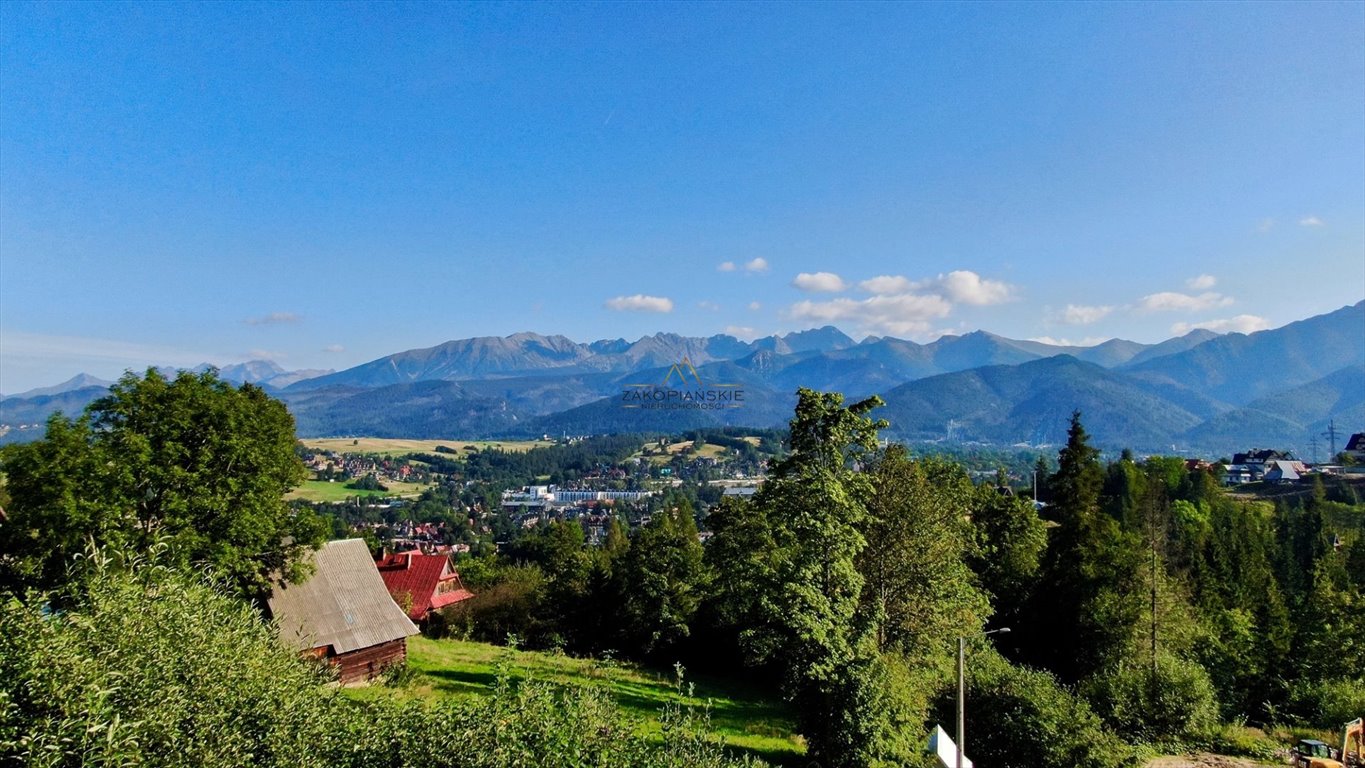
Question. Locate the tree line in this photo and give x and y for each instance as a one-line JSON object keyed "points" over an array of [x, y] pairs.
{"points": [[1146, 605]]}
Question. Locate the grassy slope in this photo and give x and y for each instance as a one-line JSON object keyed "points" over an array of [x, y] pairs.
{"points": [[456, 669], [397, 447], [321, 490]]}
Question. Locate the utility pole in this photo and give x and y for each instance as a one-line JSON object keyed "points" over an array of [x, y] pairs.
{"points": [[962, 692], [1313, 444], [961, 699], [1331, 435]]}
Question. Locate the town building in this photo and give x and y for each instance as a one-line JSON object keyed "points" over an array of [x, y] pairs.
{"points": [[422, 582]]}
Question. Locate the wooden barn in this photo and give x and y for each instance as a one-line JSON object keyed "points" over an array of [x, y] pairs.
{"points": [[421, 582], [343, 613]]}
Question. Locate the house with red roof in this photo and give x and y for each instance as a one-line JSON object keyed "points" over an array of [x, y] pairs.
{"points": [[422, 583]]}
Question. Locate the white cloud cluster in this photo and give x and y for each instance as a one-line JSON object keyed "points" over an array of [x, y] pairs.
{"points": [[754, 265], [1088, 341], [333, 349], [819, 282], [1311, 221], [887, 285], [1201, 283], [1170, 301], [967, 287], [640, 303], [1238, 324], [742, 332], [898, 306], [1080, 314], [900, 315]]}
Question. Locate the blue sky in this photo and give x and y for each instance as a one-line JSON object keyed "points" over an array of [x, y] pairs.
{"points": [[324, 184]]}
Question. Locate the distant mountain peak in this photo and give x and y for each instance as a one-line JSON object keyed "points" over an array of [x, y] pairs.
{"points": [[79, 381]]}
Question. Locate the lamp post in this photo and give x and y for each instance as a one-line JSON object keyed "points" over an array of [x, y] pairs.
{"points": [[962, 691]]}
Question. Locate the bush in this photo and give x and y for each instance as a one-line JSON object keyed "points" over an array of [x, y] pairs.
{"points": [[1328, 703], [1024, 718], [510, 606], [1181, 707], [153, 668]]}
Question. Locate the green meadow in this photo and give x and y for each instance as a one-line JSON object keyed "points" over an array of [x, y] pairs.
{"points": [[452, 669]]}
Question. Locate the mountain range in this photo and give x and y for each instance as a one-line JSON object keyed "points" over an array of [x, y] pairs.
{"points": [[1198, 392]]}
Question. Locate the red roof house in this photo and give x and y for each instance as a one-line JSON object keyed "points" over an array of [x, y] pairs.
{"points": [[423, 582]]}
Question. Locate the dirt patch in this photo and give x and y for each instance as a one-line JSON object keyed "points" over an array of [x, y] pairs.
{"points": [[1205, 760]]}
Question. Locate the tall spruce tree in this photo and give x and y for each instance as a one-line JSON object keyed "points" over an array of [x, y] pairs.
{"points": [[1088, 603]]}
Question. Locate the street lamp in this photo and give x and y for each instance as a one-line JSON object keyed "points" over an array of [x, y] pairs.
{"points": [[962, 690]]}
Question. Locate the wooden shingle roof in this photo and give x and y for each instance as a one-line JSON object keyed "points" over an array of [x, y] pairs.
{"points": [[344, 604]]}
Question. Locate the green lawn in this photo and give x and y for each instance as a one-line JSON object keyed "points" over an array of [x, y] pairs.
{"points": [[742, 716], [321, 490]]}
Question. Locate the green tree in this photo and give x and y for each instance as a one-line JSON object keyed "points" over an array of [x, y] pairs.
{"points": [[806, 618], [1010, 540], [1089, 583], [191, 462], [662, 580], [918, 537], [741, 560]]}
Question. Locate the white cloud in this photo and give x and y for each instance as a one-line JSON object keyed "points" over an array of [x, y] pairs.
{"points": [[1169, 301], [274, 318], [640, 303], [1238, 324], [759, 264], [708, 305], [968, 287], [742, 332], [1201, 283], [726, 266], [885, 285], [903, 315], [1088, 341], [1078, 314], [334, 348], [1311, 221], [754, 306], [819, 282]]}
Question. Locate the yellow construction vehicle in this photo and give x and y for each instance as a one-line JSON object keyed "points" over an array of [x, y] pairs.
{"points": [[1311, 753], [1353, 744]]}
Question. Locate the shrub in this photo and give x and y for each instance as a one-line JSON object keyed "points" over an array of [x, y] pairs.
{"points": [[1024, 718], [1328, 703], [154, 668], [1178, 706]]}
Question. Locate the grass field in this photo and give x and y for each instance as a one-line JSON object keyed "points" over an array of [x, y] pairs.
{"points": [[455, 669], [321, 490], [397, 447], [706, 450]]}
